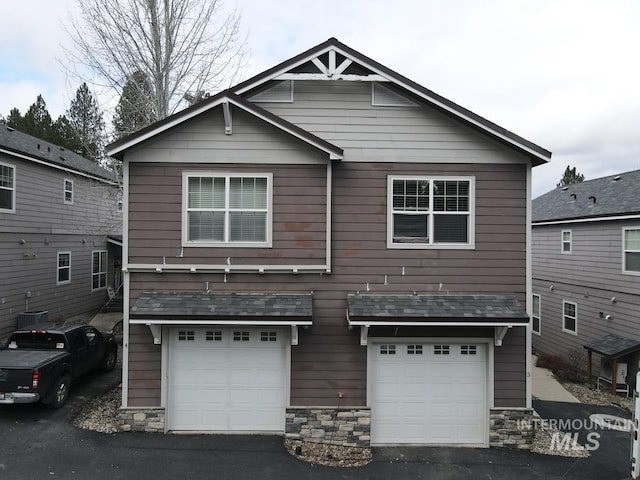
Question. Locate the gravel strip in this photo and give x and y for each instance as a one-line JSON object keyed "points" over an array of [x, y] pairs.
{"points": [[101, 413], [328, 455]]}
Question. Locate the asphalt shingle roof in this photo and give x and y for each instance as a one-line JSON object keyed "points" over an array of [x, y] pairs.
{"points": [[21, 143], [416, 307], [613, 346], [601, 197], [227, 305]]}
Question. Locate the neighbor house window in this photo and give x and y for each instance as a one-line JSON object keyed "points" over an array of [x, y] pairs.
{"points": [[64, 267], [535, 314], [430, 212], [631, 250], [570, 317], [68, 191], [227, 209], [7, 188], [99, 270], [566, 241]]}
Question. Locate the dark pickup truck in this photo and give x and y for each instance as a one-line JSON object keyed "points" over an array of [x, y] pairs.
{"points": [[40, 362]]}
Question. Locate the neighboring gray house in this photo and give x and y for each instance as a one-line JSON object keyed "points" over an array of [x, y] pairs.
{"points": [[331, 251], [60, 231], [586, 273]]}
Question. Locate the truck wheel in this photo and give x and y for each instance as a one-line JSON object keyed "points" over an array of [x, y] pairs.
{"points": [[109, 360], [60, 392]]}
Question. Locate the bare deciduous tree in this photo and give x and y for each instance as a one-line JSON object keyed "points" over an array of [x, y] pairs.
{"points": [[181, 46]]}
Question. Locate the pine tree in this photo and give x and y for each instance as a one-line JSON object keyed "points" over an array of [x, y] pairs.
{"points": [[84, 123], [37, 121], [135, 108], [570, 176]]}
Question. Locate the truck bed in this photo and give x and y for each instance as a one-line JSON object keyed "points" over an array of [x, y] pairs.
{"points": [[18, 359]]}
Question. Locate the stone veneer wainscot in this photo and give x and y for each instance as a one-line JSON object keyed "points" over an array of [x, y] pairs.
{"points": [[349, 427]]}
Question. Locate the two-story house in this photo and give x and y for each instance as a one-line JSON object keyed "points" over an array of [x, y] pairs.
{"points": [[586, 273], [331, 251], [60, 232]]}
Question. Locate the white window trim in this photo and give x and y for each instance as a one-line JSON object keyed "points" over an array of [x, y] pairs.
{"points": [[562, 242], [572, 332], [13, 190], [185, 225], [58, 268], [539, 317], [624, 252], [65, 191], [424, 246], [106, 265]]}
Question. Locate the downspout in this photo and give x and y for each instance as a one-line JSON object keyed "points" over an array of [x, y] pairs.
{"points": [[328, 221], [126, 283], [529, 289]]}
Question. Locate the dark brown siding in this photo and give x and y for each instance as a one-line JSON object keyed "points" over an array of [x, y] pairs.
{"points": [[329, 357], [510, 367], [144, 368]]}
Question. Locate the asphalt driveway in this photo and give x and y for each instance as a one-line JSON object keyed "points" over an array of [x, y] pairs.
{"points": [[38, 443]]}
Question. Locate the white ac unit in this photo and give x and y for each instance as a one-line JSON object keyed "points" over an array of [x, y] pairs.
{"points": [[606, 371]]}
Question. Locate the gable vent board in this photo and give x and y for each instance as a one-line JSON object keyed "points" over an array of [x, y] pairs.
{"points": [[278, 92], [382, 96]]}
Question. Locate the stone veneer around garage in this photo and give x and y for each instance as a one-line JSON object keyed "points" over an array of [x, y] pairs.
{"points": [[142, 420], [511, 428], [349, 427], [508, 428]]}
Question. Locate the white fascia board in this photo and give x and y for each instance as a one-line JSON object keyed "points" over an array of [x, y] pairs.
{"points": [[209, 106], [586, 220], [257, 323], [58, 167], [391, 323]]}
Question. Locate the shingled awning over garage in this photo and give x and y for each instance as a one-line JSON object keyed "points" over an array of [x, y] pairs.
{"points": [[259, 309], [424, 310]]}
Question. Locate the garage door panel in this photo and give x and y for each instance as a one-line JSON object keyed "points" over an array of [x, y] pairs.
{"points": [[227, 379], [428, 393]]}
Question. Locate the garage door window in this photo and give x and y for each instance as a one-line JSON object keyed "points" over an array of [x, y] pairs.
{"points": [[468, 349], [414, 349], [213, 336], [268, 336], [387, 349], [186, 335], [241, 336], [441, 349]]}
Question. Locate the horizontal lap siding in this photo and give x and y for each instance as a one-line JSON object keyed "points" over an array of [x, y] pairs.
{"points": [[590, 277], [377, 142], [299, 216], [509, 370], [329, 357]]}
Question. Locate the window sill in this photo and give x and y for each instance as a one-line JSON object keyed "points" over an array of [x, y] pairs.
{"points": [[228, 244]]}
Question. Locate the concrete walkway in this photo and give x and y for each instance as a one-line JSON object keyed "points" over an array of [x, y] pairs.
{"points": [[545, 386]]}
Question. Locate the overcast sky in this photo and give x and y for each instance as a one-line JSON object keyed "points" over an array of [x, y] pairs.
{"points": [[564, 74]]}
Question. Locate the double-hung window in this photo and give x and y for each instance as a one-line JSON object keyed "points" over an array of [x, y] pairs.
{"points": [[99, 270], [223, 209], [570, 317], [7, 188], [631, 250], [566, 241], [64, 267], [68, 191], [433, 212]]}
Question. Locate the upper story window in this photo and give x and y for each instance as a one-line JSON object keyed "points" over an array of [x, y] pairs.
{"points": [[535, 314], [570, 317], [566, 241], [68, 191], [227, 210], [64, 267], [7, 188], [433, 212], [631, 250]]}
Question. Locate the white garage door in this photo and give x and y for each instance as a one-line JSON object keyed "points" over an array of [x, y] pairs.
{"points": [[227, 379], [428, 393]]}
